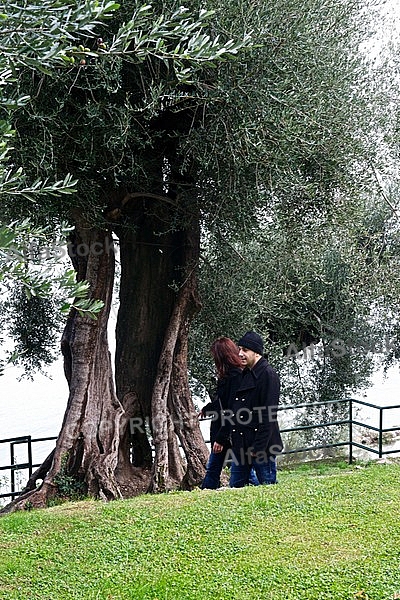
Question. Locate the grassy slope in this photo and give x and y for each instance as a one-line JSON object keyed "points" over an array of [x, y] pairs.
{"points": [[316, 535]]}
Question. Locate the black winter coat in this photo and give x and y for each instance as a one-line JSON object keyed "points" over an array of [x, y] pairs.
{"points": [[254, 418], [222, 399]]}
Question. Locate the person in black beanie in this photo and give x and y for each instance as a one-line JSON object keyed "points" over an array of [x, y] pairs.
{"points": [[256, 439]]}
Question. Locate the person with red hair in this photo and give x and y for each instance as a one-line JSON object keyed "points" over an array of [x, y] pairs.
{"points": [[229, 374]]}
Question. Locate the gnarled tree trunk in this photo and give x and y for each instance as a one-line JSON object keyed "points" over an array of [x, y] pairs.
{"points": [[144, 436], [86, 453], [158, 298]]}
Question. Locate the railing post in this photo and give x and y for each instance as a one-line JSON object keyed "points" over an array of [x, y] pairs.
{"points": [[350, 431], [12, 463], [380, 431], [30, 469]]}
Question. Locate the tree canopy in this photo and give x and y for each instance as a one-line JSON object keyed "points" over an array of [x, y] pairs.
{"points": [[310, 263]]}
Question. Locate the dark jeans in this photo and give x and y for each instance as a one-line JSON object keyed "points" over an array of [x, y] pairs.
{"points": [[214, 467], [265, 471], [215, 464]]}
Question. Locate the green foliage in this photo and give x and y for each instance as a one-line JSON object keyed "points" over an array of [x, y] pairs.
{"points": [[77, 292], [152, 67], [40, 38], [37, 290], [68, 486], [32, 323], [178, 37], [37, 37], [299, 241], [73, 110], [43, 39], [31, 255], [320, 533], [310, 297], [282, 139]]}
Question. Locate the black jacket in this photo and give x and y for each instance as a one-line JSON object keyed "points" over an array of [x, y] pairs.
{"points": [[222, 399], [254, 418]]}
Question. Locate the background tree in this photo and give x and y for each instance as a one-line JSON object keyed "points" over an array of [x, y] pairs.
{"points": [[324, 256], [168, 144]]}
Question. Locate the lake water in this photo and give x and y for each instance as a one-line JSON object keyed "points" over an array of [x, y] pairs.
{"points": [[33, 408]]}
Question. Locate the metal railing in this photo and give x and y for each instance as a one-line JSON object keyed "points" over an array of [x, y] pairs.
{"points": [[15, 466], [380, 430], [347, 424], [350, 422]]}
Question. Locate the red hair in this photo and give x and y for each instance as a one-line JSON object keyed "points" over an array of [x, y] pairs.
{"points": [[226, 355]]}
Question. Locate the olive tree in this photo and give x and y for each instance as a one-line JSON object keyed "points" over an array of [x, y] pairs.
{"points": [[146, 61]]}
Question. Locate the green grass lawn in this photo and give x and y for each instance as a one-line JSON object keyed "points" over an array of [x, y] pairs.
{"points": [[321, 533]]}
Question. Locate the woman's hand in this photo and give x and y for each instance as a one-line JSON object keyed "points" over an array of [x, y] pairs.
{"points": [[217, 448]]}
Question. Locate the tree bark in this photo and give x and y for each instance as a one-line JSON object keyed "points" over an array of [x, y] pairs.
{"points": [[158, 298], [144, 436], [184, 415], [86, 452], [171, 394]]}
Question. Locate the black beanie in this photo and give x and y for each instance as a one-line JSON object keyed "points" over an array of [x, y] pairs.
{"points": [[252, 341]]}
